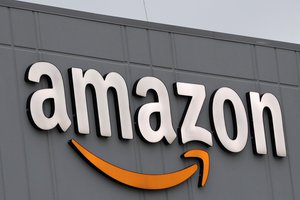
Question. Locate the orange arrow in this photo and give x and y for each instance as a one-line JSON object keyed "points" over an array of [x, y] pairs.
{"points": [[147, 181]]}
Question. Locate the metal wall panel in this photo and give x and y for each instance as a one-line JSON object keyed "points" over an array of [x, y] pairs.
{"points": [[39, 164], [266, 63], [55, 35], [288, 70], [13, 152], [37, 147], [161, 49], [4, 23], [24, 28]]}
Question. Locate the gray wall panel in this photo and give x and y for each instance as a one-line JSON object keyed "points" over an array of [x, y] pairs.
{"points": [[161, 48], [24, 28], [82, 174], [2, 188], [134, 73], [291, 114], [195, 53], [279, 169], [5, 37], [138, 45], [80, 37], [266, 62], [36, 142], [231, 167], [213, 56], [13, 154], [150, 155], [171, 153], [39, 164], [233, 59], [287, 63]]}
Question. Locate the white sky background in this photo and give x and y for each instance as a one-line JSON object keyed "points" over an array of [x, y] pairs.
{"points": [[269, 19]]}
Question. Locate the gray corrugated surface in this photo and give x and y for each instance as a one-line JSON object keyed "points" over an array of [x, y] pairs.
{"points": [[38, 164]]}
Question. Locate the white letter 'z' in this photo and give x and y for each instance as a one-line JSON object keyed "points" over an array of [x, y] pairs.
{"points": [[189, 130]]}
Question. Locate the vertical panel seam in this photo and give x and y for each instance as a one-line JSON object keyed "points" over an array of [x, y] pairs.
{"points": [[2, 175], [285, 135], [52, 165], [1, 162], [258, 87], [255, 64], [152, 73], [37, 30], [281, 99], [51, 156], [175, 63], [18, 95], [131, 103]]}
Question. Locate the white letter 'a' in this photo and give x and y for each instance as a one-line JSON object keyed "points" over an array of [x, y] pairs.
{"points": [[162, 106], [190, 132], [57, 93]]}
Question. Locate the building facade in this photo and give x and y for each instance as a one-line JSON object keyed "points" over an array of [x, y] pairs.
{"points": [[38, 162]]}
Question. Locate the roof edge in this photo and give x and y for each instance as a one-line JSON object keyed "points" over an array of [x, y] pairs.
{"points": [[148, 25]]}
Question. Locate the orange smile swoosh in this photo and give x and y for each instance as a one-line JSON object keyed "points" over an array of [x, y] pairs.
{"points": [[148, 181]]}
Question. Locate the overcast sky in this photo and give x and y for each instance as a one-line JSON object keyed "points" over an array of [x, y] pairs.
{"points": [[269, 19]]}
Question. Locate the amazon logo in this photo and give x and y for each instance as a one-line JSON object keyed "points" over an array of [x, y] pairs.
{"points": [[244, 118], [148, 181]]}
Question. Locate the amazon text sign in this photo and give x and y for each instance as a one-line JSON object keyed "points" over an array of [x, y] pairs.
{"points": [[189, 131]]}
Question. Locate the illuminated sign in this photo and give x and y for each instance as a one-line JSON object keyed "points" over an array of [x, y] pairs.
{"points": [[189, 131]]}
